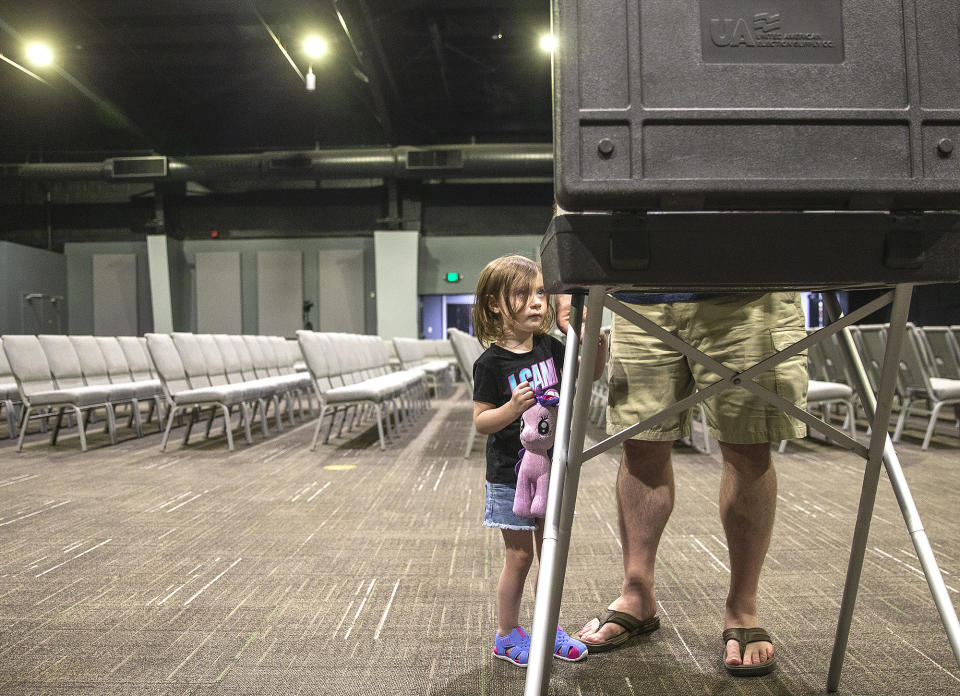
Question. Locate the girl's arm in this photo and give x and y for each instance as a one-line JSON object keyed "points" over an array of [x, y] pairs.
{"points": [[563, 321], [490, 419]]}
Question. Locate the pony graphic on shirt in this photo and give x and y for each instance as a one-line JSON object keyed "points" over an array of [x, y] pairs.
{"points": [[541, 374]]}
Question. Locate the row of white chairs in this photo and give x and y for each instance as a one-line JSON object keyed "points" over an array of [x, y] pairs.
{"points": [[351, 375], [219, 373], [929, 375], [412, 353], [76, 375], [928, 378]]}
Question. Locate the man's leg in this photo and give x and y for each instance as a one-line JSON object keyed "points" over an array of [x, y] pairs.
{"points": [[645, 492], [748, 499]]}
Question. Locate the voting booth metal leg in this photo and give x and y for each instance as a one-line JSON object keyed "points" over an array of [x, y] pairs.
{"points": [[562, 495], [881, 451]]}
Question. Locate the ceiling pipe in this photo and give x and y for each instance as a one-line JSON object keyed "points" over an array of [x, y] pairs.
{"points": [[405, 162]]}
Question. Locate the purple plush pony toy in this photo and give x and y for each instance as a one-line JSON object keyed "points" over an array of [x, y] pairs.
{"points": [[533, 469]]}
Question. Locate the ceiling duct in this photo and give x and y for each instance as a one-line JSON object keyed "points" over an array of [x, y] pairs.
{"points": [[438, 162]]}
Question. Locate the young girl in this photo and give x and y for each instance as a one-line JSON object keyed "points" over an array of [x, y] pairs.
{"points": [[511, 316]]}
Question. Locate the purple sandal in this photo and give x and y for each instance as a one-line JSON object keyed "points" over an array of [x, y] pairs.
{"points": [[567, 648], [514, 648]]}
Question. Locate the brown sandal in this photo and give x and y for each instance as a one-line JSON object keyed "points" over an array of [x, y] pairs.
{"points": [[744, 636], [632, 627]]}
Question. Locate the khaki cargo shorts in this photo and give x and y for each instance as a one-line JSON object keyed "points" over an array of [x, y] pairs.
{"points": [[647, 376]]}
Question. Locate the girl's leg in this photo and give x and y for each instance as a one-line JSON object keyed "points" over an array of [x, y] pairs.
{"points": [[538, 540], [519, 547]]}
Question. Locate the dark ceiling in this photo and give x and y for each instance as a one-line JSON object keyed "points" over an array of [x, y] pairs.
{"points": [[189, 77]]}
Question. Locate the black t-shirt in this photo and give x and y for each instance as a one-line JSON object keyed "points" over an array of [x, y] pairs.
{"points": [[496, 373]]}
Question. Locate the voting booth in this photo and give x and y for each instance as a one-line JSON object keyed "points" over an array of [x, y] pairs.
{"points": [[743, 146]]}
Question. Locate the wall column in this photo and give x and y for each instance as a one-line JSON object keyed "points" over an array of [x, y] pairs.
{"points": [[159, 264], [396, 257]]}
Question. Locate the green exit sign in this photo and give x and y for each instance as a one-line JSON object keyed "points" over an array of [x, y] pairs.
{"points": [[453, 277]]}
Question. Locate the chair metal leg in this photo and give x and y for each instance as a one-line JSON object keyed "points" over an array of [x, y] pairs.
{"points": [[166, 433], [276, 412], [153, 404], [316, 431], [213, 414], [137, 421], [383, 445], [902, 420], [226, 420], [932, 425], [262, 405], [245, 417], [343, 420], [82, 428], [333, 421], [55, 433], [399, 424], [193, 418], [11, 419], [23, 427], [706, 434], [111, 423], [395, 416]]}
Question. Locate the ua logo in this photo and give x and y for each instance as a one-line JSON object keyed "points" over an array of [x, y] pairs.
{"points": [[727, 33], [734, 33]]}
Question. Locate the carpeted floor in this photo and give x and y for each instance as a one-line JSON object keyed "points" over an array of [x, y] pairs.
{"points": [[274, 570]]}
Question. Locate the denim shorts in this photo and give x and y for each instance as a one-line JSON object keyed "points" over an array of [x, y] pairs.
{"points": [[499, 509]]}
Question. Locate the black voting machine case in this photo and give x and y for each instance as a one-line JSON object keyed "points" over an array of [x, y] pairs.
{"points": [[740, 104], [723, 108]]}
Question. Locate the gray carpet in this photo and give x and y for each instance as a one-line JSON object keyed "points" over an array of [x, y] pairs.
{"points": [[125, 570]]}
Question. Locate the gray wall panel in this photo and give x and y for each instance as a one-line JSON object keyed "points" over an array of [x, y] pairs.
{"points": [[279, 292], [341, 290], [114, 294], [218, 292]]}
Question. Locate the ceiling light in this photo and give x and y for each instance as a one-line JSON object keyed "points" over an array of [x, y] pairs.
{"points": [[315, 46], [39, 54], [547, 43]]}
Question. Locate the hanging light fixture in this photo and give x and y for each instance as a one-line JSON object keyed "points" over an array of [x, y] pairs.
{"points": [[315, 47]]}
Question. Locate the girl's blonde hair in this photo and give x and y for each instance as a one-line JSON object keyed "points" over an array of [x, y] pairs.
{"points": [[499, 282]]}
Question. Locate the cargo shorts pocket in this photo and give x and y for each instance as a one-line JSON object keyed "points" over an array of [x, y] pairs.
{"points": [[791, 374]]}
